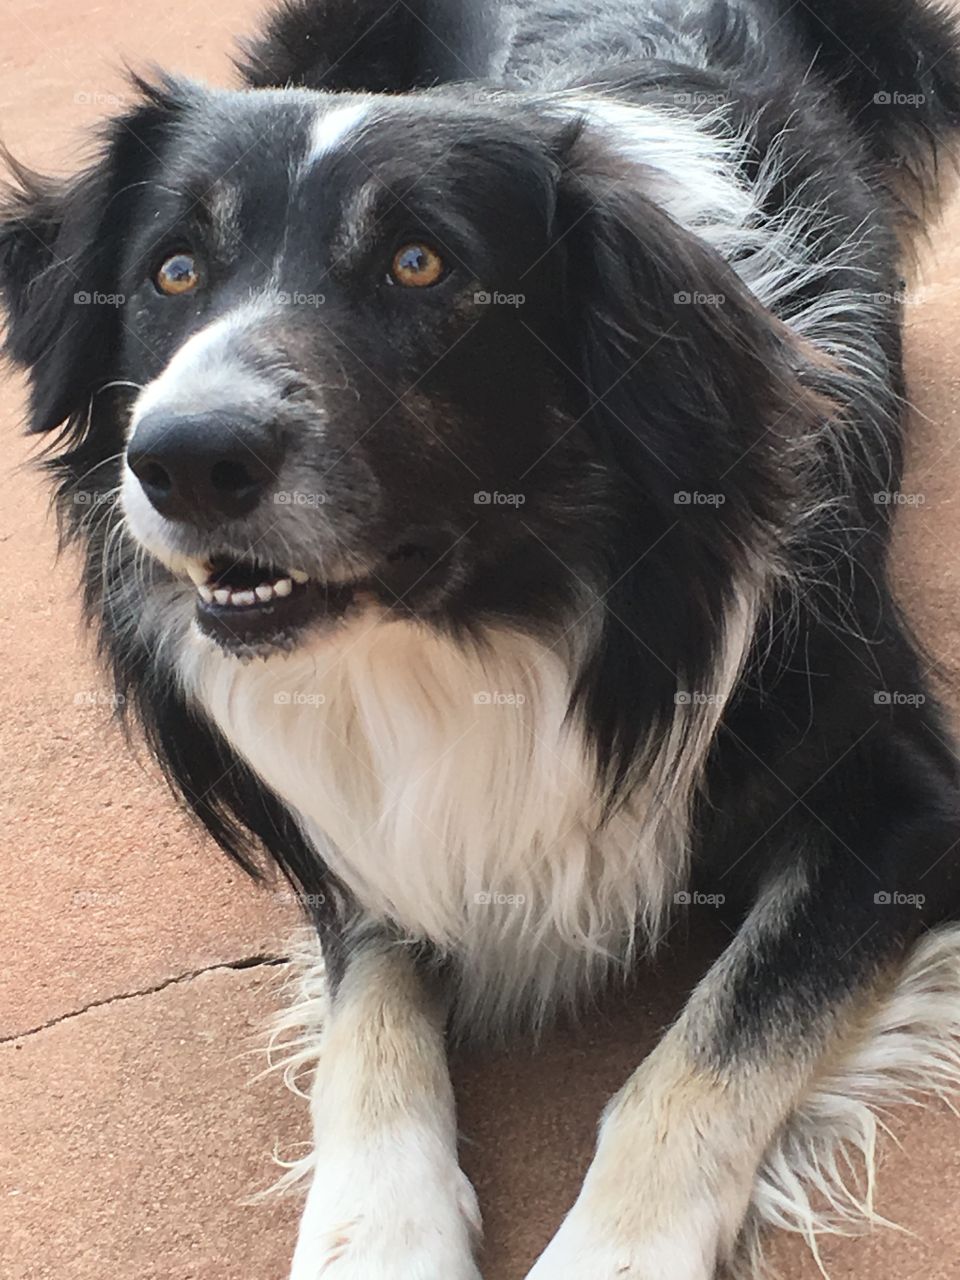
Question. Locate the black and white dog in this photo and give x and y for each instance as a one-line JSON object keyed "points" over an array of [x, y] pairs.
{"points": [[483, 430]]}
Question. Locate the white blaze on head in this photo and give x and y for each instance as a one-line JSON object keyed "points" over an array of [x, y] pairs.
{"points": [[331, 129]]}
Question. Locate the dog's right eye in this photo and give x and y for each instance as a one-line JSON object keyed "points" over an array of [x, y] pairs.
{"points": [[177, 274]]}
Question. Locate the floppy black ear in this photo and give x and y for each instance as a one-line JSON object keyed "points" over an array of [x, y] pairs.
{"points": [[695, 396], [47, 265], [59, 250], [688, 384]]}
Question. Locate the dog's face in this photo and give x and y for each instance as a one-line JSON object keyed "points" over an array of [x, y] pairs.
{"points": [[325, 309], [404, 354]]}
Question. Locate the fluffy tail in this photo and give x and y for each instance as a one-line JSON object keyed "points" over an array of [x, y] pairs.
{"points": [[818, 1176], [373, 46], [895, 65]]}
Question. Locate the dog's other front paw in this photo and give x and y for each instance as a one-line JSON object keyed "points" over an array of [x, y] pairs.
{"points": [[395, 1211], [587, 1248]]}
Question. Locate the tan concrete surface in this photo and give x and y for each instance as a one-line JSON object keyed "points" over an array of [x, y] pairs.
{"points": [[129, 1130]]}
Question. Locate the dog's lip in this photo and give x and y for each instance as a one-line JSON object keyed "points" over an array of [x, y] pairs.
{"points": [[250, 605], [246, 605]]}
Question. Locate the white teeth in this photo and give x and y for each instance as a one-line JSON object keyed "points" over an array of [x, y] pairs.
{"points": [[241, 599], [198, 572]]}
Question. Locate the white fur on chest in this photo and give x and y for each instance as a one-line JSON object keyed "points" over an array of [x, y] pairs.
{"points": [[446, 787]]}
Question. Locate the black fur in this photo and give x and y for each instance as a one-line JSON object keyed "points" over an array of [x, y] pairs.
{"points": [[368, 45]]}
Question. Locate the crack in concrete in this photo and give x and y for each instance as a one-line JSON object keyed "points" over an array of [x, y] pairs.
{"points": [[245, 962]]}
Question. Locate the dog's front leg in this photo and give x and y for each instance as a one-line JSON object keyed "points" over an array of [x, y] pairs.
{"points": [[388, 1200], [679, 1148]]}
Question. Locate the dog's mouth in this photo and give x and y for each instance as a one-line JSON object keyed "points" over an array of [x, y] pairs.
{"points": [[245, 604], [253, 606]]}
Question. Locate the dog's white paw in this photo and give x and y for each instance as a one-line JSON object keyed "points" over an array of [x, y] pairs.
{"points": [[585, 1249], [400, 1209]]}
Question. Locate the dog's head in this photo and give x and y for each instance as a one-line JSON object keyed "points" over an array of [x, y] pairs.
{"points": [[463, 359]]}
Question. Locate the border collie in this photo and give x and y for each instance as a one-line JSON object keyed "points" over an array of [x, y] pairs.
{"points": [[483, 430]]}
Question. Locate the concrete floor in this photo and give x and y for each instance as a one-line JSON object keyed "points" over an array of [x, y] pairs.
{"points": [[139, 969]]}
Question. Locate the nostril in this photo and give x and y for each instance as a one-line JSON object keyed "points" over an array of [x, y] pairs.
{"points": [[231, 477], [153, 476]]}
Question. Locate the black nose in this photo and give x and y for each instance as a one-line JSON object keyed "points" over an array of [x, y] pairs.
{"points": [[204, 467]]}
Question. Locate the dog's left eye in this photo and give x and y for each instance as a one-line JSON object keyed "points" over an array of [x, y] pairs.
{"points": [[417, 266], [177, 274]]}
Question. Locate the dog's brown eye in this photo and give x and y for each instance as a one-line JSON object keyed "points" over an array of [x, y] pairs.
{"points": [[417, 266], [177, 274]]}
